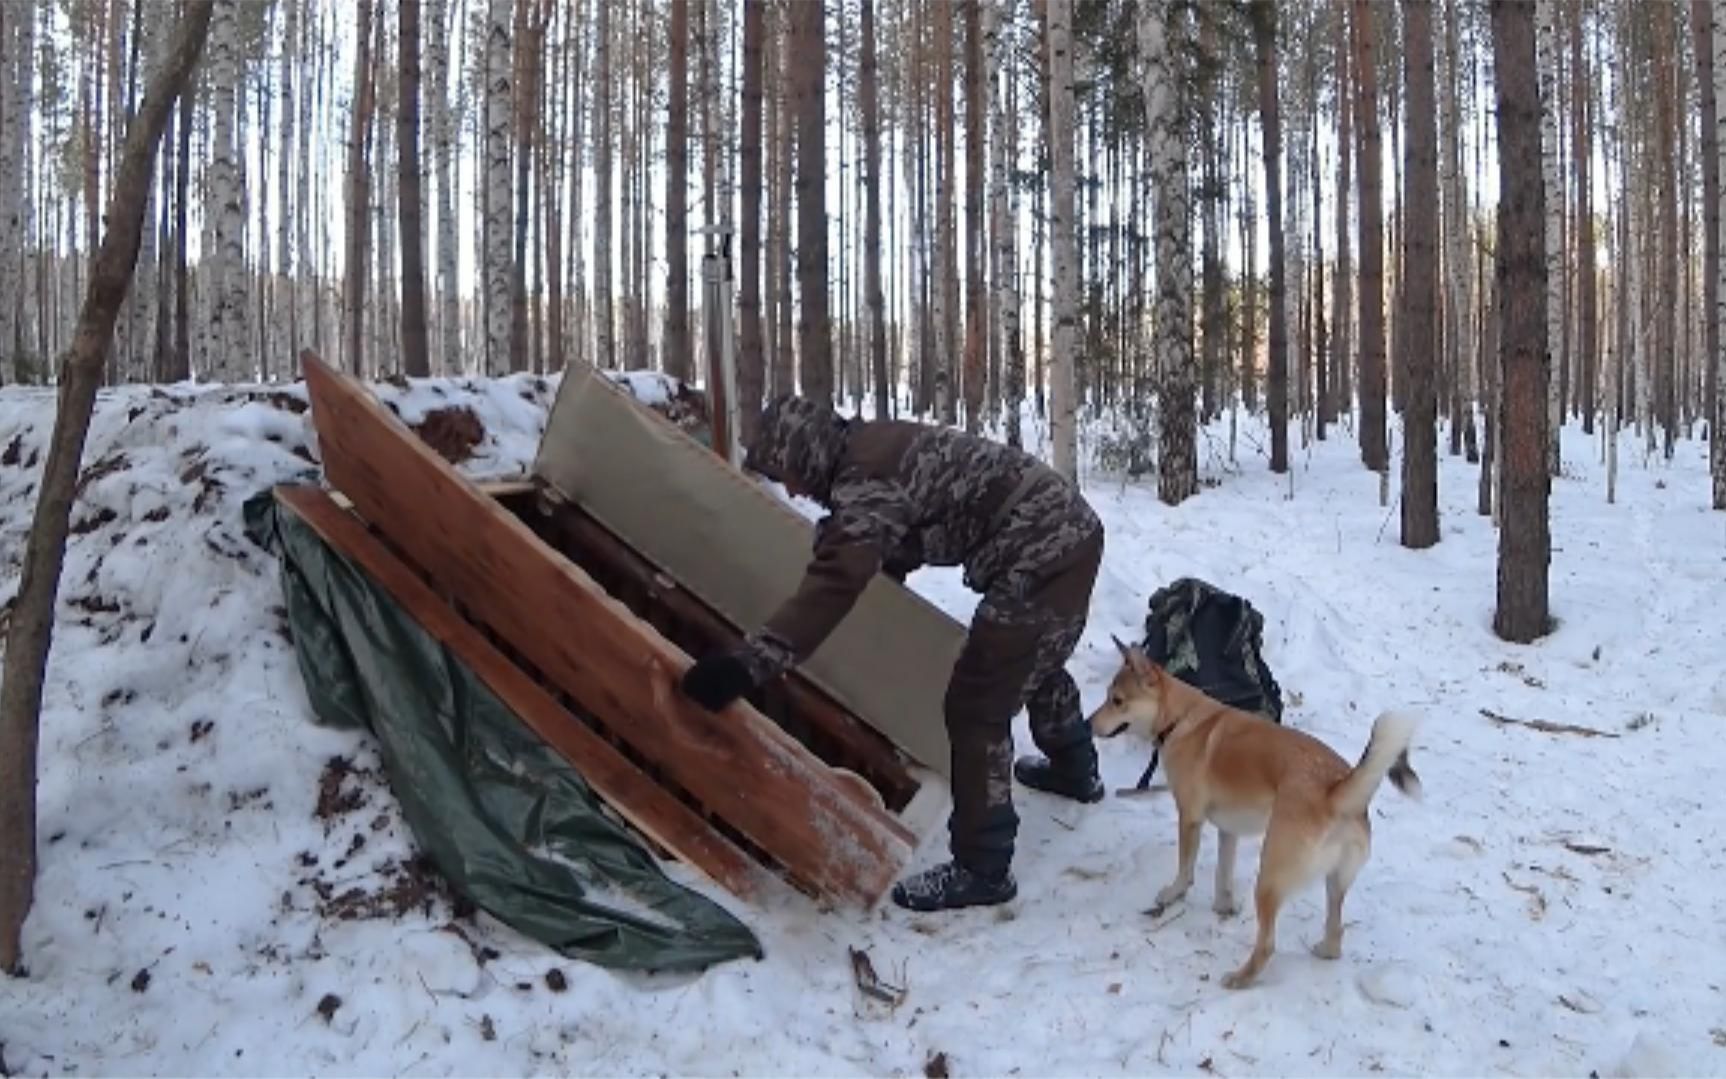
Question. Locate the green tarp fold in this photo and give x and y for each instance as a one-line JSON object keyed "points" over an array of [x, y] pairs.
{"points": [[506, 819]]}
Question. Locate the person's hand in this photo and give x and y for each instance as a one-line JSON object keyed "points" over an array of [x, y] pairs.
{"points": [[717, 680]]}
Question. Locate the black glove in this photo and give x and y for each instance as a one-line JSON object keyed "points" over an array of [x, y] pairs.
{"points": [[717, 680]]}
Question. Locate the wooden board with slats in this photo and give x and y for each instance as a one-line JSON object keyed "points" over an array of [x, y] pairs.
{"points": [[825, 828]]}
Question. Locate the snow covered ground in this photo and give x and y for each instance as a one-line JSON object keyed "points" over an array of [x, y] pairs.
{"points": [[217, 897]]}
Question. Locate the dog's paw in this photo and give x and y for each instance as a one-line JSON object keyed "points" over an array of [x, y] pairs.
{"points": [[1237, 979], [1328, 949], [1226, 907]]}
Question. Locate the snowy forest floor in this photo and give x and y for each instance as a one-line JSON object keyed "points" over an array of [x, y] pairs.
{"points": [[227, 888]]}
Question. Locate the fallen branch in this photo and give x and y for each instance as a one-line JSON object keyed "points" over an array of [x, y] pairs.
{"points": [[870, 984], [1546, 726]]}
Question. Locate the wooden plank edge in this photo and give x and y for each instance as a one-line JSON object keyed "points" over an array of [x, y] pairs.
{"points": [[862, 846], [636, 798]]}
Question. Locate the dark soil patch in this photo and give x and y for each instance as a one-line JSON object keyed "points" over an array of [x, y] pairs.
{"points": [[209, 487], [328, 1005], [336, 797], [140, 981], [157, 515], [406, 887], [14, 451], [95, 604], [287, 402], [453, 432], [96, 520], [107, 466], [201, 729]]}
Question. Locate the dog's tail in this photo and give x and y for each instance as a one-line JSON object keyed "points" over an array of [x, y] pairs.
{"points": [[1386, 753]]}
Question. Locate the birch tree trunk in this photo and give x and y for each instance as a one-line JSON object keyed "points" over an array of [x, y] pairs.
{"points": [[1524, 542], [496, 261], [1007, 252], [443, 23], [1547, 31], [1063, 423], [30, 636], [230, 346], [1420, 289], [1161, 44]]}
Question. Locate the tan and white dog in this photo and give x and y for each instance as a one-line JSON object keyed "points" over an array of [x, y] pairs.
{"points": [[1249, 776]]}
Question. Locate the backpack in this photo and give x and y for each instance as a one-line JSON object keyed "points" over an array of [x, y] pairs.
{"points": [[1213, 641]]}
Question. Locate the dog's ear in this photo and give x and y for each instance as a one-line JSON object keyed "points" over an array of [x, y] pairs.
{"points": [[1126, 652]]}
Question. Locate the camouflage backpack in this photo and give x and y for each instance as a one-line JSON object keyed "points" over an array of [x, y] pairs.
{"points": [[1213, 641]]}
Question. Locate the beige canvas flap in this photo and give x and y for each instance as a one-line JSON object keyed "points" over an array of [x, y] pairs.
{"points": [[740, 549]]}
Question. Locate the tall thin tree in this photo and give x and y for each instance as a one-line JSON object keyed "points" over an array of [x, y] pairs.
{"points": [[1525, 540], [30, 637], [1420, 290], [416, 350], [1063, 425], [869, 91], [751, 359], [678, 358], [815, 339], [1264, 15], [1374, 451], [1162, 44]]}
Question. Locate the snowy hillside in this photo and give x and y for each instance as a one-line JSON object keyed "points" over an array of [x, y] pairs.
{"points": [[227, 888]]}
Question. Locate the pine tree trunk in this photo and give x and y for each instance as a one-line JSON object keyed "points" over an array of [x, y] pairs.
{"points": [[30, 636], [677, 344], [354, 275], [751, 361], [1264, 14], [1342, 298], [1007, 250], [524, 56], [868, 88], [604, 195], [1460, 358], [976, 312], [1716, 153], [1063, 425], [1374, 451], [416, 351], [1524, 547], [784, 358], [1666, 327], [815, 341], [1420, 289], [1587, 315]]}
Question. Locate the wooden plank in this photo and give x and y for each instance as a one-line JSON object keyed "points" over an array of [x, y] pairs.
{"points": [[637, 798], [822, 829], [857, 740]]}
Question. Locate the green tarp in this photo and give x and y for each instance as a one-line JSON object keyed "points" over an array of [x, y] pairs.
{"points": [[506, 819]]}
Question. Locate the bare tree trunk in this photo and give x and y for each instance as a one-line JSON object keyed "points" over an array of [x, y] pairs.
{"points": [[784, 358], [1211, 198], [359, 194], [1716, 314], [1162, 45], [182, 359], [1546, 29], [604, 196], [1666, 325], [1342, 301], [1525, 544], [1586, 307], [1063, 425], [1374, 450], [976, 312], [873, 299], [416, 352], [32, 625], [1265, 46], [1007, 250], [229, 341], [1420, 289], [815, 337], [751, 361], [677, 345]]}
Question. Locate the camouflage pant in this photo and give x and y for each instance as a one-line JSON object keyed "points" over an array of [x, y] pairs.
{"points": [[1023, 632]]}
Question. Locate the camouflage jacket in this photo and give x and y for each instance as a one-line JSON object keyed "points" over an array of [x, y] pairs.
{"points": [[902, 495]]}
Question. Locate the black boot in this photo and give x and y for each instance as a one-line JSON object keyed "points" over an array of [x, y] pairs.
{"points": [[950, 886], [1039, 774]]}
